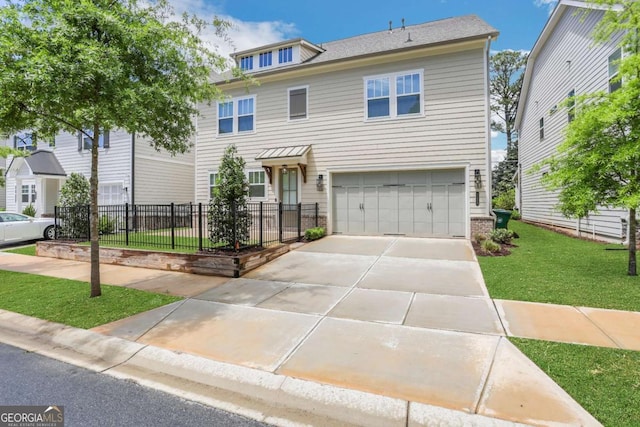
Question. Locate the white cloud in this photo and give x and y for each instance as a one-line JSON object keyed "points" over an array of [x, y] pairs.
{"points": [[549, 4], [497, 156], [242, 35]]}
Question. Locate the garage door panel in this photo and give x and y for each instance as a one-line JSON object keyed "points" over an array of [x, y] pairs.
{"points": [[456, 210], [371, 210], [388, 210], [340, 209], [355, 210], [405, 210], [440, 210], [421, 214]]}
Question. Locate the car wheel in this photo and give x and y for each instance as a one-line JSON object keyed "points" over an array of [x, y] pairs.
{"points": [[50, 233]]}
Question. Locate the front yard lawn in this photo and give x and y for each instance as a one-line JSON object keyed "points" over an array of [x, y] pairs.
{"points": [[550, 267], [67, 301], [23, 250], [605, 381]]}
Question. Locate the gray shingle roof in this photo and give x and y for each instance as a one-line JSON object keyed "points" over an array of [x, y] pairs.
{"points": [[443, 31], [44, 162]]}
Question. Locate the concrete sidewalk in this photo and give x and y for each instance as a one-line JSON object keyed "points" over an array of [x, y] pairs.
{"points": [[405, 322]]}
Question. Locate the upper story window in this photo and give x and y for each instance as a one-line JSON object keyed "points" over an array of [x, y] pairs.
{"points": [[541, 127], [394, 95], [298, 104], [285, 54], [571, 105], [24, 141], [85, 139], [246, 63], [614, 67], [265, 59], [236, 115]]}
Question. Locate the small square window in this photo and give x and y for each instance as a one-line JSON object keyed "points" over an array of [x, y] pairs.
{"points": [[298, 103], [213, 182], [257, 184], [541, 128]]}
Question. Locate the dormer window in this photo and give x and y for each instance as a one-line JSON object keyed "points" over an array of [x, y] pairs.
{"points": [[265, 59], [285, 55], [246, 63], [24, 142]]}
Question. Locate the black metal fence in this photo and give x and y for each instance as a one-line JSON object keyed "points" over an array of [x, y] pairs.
{"points": [[189, 226]]}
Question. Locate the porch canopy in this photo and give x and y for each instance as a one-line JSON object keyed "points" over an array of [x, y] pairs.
{"points": [[287, 157]]}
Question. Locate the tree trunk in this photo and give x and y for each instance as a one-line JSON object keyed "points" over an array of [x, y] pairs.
{"points": [[632, 243], [95, 247]]}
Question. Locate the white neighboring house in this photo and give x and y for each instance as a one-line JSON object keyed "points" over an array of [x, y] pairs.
{"points": [[388, 132], [3, 169], [564, 62], [130, 171]]}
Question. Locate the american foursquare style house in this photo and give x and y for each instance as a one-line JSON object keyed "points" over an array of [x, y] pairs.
{"points": [[564, 62], [388, 132]]}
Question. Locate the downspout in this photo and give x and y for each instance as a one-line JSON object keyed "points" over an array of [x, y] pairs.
{"points": [[487, 52], [195, 161]]}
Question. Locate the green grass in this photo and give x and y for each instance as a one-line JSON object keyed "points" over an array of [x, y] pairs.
{"points": [[24, 250], [605, 381], [67, 301], [552, 268]]}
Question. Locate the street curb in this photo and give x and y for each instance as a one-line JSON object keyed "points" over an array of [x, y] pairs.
{"points": [[260, 395]]}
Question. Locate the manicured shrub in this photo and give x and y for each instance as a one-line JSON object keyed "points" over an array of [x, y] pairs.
{"points": [[74, 200], [505, 200], [29, 210], [106, 225], [515, 215], [314, 233], [501, 235], [490, 246]]}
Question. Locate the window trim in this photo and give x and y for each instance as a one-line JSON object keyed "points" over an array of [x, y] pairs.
{"points": [[281, 54], [31, 136], [105, 140], [264, 184], [120, 185], [306, 115], [211, 187], [393, 95], [620, 54], [31, 193], [249, 59], [268, 57], [541, 128], [235, 118]]}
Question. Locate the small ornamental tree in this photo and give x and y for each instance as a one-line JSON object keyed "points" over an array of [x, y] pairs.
{"points": [[228, 218], [75, 196]]}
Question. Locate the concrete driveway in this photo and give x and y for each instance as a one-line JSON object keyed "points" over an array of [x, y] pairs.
{"points": [[400, 317]]}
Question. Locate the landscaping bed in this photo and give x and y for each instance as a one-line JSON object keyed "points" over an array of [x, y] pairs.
{"points": [[228, 264]]}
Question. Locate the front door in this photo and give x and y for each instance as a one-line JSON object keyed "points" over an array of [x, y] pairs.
{"points": [[289, 199]]}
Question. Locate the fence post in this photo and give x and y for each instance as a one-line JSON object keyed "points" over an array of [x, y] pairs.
{"points": [[173, 226], [234, 211], [261, 223], [280, 230], [299, 221], [126, 223], [316, 214], [200, 226], [55, 222]]}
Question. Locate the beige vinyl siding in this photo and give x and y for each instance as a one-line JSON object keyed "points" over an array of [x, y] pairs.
{"points": [[553, 77], [161, 178], [305, 53], [451, 131]]}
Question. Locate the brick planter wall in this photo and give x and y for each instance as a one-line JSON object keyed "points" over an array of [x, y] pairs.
{"points": [[482, 225], [200, 263]]}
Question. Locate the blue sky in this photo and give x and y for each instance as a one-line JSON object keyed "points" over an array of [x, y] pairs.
{"points": [[259, 22]]}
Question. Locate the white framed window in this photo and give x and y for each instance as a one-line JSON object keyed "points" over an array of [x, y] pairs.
{"points": [[614, 67], [298, 102], [24, 141], [394, 95], [28, 193], [111, 193], [541, 128], [285, 55], [213, 182], [257, 184], [236, 116], [84, 139], [266, 59], [246, 63]]}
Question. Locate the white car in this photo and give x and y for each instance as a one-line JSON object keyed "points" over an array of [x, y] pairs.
{"points": [[15, 227]]}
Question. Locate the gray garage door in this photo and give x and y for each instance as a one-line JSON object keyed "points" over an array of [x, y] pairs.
{"points": [[416, 203]]}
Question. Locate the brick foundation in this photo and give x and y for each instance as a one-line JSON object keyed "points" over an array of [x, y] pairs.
{"points": [[482, 225]]}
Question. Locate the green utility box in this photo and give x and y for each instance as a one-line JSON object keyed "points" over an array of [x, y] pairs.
{"points": [[502, 217]]}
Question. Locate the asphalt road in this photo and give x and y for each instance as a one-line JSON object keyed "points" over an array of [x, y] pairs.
{"points": [[94, 399]]}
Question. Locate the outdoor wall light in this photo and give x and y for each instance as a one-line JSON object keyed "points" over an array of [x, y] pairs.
{"points": [[284, 168], [477, 179], [320, 182]]}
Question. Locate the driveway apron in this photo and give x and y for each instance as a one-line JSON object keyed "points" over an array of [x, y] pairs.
{"points": [[408, 318]]}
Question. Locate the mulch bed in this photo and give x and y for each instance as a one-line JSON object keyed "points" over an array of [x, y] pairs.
{"points": [[505, 249]]}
